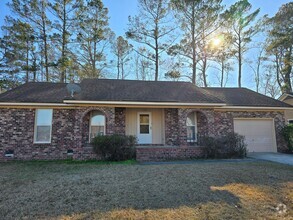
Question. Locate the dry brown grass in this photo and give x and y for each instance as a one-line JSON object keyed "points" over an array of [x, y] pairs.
{"points": [[246, 190]]}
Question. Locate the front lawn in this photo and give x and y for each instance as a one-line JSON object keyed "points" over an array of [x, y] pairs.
{"points": [[54, 190]]}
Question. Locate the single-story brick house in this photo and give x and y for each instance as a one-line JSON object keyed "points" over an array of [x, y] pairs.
{"points": [[43, 121]]}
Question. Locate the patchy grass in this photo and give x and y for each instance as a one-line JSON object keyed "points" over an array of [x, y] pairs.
{"points": [[71, 161], [69, 190]]}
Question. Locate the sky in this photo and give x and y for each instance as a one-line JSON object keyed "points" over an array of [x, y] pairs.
{"points": [[119, 10]]}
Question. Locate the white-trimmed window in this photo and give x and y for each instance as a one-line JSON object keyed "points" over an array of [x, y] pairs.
{"points": [[191, 124], [43, 125], [97, 124], [290, 121]]}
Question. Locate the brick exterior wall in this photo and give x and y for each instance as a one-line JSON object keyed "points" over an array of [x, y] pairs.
{"points": [[171, 126], [209, 123], [175, 125], [120, 120], [70, 131], [215, 123], [224, 123]]}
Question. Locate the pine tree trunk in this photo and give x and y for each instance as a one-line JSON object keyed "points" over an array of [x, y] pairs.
{"points": [[222, 73], [122, 69], [193, 48], [118, 68], [287, 71], [44, 33], [63, 58], [239, 61], [27, 62], [157, 53], [204, 69]]}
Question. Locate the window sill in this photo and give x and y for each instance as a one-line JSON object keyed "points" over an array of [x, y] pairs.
{"points": [[42, 142]]}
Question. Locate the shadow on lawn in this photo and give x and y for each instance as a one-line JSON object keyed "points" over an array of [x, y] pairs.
{"points": [[137, 192]]}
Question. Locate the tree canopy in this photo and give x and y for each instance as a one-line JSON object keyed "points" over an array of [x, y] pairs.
{"points": [[201, 41]]}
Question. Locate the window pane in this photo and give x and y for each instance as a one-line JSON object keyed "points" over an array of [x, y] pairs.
{"points": [[190, 119], [191, 135], [43, 133], [97, 130], [98, 120], [144, 119], [97, 124], [43, 125], [144, 129], [44, 116]]}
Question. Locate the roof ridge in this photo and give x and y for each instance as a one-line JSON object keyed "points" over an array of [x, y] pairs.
{"points": [[47, 83], [223, 88], [135, 80]]}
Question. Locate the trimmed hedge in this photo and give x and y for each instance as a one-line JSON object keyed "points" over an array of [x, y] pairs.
{"points": [[230, 146], [115, 147]]}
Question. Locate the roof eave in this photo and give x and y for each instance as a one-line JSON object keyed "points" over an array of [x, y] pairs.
{"points": [[135, 103], [31, 104], [73, 103], [227, 107], [284, 96]]}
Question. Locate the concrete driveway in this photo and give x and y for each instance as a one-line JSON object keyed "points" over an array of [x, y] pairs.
{"points": [[274, 157]]}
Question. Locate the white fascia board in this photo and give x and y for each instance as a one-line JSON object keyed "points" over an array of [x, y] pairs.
{"points": [[284, 96], [31, 104], [255, 108], [142, 103]]}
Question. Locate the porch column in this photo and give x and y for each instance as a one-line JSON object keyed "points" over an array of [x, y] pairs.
{"points": [[210, 115], [120, 120], [182, 129], [171, 126]]}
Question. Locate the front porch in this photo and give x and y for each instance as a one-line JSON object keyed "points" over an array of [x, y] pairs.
{"points": [[151, 126], [162, 133]]}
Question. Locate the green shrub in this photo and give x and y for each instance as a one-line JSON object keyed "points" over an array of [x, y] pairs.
{"points": [[230, 146], [115, 147], [288, 135], [209, 146]]}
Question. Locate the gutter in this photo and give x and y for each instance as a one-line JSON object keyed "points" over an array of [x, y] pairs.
{"points": [[32, 104], [75, 103], [141, 103], [253, 108]]}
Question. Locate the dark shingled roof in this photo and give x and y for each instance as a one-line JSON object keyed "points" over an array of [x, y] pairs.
{"points": [[36, 92], [141, 91], [244, 97]]}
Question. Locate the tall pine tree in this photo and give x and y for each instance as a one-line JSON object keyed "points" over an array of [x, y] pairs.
{"points": [[151, 28], [93, 37], [242, 30]]}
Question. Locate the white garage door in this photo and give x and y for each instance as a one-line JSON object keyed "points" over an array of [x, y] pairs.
{"points": [[259, 134]]}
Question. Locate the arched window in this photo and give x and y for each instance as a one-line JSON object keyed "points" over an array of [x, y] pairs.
{"points": [[191, 124], [97, 124]]}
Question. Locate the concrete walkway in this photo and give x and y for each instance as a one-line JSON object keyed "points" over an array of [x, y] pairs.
{"points": [[274, 157]]}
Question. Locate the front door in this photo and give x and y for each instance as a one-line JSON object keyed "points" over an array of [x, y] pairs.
{"points": [[144, 131]]}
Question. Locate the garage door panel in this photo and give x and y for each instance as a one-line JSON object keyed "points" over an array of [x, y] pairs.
{"points": [[259, 134]]}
